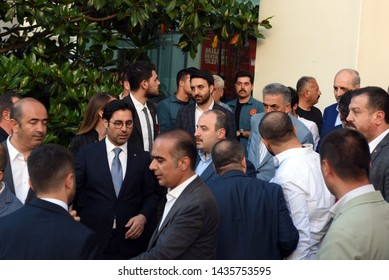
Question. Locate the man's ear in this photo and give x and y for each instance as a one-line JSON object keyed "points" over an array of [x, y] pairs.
{"points": [[126, 85], [6, 115]]}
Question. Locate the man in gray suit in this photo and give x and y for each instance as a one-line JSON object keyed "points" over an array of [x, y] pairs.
{"points": [[189, 225], [276, 97], [369, 114]]}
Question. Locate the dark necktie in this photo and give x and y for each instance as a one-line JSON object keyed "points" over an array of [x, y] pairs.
{"points": [[117, 173], [148, 128]]}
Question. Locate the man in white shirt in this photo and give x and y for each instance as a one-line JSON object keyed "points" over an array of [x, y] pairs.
{"points": [[360, 225], [143, 78], [298, 173], [189, 225], [369, 114], [29, 124]]}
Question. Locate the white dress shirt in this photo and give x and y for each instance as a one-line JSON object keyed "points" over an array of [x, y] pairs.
{"points": [[312, 126], [172, 195], [307, 197], [143, 124], [122, 155], [199, 112], [57, 202], [19, 170], [373, 144]]}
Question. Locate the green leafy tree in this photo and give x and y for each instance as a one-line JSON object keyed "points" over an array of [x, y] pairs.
{"points": [[58, 51]]}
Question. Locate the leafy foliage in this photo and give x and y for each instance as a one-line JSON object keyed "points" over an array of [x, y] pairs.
{"points": [[57, 50]]}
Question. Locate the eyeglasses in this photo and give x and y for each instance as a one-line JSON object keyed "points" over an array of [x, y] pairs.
{"points": [[119, 124]]}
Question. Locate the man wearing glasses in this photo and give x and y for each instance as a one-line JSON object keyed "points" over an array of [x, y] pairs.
{"points": [[116, 192]]}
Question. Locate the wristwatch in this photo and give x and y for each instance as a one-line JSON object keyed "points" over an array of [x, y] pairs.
{"points": [[241, 132]]}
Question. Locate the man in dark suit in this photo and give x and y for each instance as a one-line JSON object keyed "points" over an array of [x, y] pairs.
{"points": [[345, 80], [43, 228], [202, 86], [7, 100], [29, 124], [189, 225], [8, 201], [211, 128], [144, 83], [369, 114], [255, 222], [115, 189]]}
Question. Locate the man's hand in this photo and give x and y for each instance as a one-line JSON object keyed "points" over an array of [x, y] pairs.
{"points": [[73, 213], [136, 226]]}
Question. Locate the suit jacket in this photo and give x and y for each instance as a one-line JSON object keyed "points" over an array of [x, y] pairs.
{"points": [[329, 118], [3, 135], [42, 230], [209, 175], [190, 229], [379, 169], [255, 222], [96, 201], [359, 230], [136, 135], [265, 168], [186, 119], [8, 178], [8, 202]]}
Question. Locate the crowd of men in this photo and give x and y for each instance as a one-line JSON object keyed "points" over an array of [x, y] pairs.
{"points": [[197, 178]]}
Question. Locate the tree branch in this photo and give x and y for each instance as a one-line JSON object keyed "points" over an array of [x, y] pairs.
{"points": [[19, 28]]}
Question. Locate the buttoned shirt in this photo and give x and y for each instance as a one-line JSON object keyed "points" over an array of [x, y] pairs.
{"points": [[143, 123], [307, 197], [172, 195], [199, 112], [373, 144], [122, 155], [20, 174], [203, 163], [312, 126]]}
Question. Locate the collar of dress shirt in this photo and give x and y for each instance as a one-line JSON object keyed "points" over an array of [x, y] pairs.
{"points": [[304, 150], [350, 195], [209, 108], [139, 106], [12, 151], [373, 144], [57, 202], [176, 192], [111, 146]]}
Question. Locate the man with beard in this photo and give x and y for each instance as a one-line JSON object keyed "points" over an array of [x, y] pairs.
{"points": [[309, 94], [43, 228], [144, 83], [369, 114], [202, 86], [116, 195], [29, 124], [244, 106]]}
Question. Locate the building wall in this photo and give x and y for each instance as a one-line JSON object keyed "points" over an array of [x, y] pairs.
{"points": [[318, 38]]}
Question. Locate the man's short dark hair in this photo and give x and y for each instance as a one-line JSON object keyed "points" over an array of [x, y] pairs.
{"points": [[225, 152], [344, 102], [6, 103], [294, 96], [302, 82], [221, 119], [276, 127], [141, 70], [244, 74], [347, 151], [203, 74], [117, 105], [182, 145], [48, 166], [183, 73], [378, 99]]}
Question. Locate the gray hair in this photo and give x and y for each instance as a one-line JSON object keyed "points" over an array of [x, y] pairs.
{"points": [[278, 89]]}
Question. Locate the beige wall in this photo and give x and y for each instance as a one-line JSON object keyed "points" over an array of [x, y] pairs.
{"points": [[318, 38]]}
